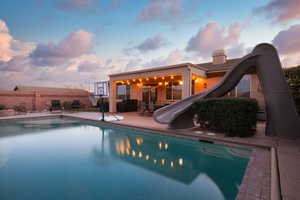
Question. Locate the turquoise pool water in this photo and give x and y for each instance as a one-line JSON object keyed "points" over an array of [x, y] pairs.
{"points": [[66, 159]]}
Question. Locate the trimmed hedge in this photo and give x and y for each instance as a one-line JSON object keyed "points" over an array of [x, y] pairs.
{"points": [[67, 105], [293, 79], [232, 116]]}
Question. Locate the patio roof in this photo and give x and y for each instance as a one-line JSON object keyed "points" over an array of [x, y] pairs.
{"points": [[208, 67]]}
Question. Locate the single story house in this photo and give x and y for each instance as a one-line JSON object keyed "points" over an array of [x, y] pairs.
{"points": [[167, 84]]}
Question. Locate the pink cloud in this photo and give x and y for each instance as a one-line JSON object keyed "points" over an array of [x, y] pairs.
{"points": [[281, 11], [5, 42], [288, 41], [74, 45], [212, 37]]}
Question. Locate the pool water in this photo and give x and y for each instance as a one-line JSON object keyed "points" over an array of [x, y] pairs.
{"points": [[67, 159]]}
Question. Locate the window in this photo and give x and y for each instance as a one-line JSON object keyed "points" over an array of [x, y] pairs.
{"points": [[173, 91], [123, 92], [242, 89], [193, 87]]}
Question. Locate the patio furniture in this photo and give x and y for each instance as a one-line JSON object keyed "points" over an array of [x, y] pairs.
{"points": [[128, 105], [76, 104], [55, 105]]}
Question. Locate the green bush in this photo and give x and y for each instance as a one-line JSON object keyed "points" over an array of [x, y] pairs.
{"points": [[2, 107], [232, 116], [67, 105], [293, 79]]}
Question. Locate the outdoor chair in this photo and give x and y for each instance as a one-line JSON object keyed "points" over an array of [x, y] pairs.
{"points": [[76, 105], [55, 105]]}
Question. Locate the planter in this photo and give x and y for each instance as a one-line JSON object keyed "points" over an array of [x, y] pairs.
{"points": [[7, 112]]}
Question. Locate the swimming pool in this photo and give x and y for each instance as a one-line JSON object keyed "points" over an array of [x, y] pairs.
{"points": [[69, 159]]}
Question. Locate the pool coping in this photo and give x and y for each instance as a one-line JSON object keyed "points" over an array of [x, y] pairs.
{"points": [[249, 188]]}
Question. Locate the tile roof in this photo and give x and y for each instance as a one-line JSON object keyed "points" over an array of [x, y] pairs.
{"points": [[210, 67]]}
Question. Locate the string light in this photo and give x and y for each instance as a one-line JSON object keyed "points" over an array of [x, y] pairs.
{"points": [[166, 146], [140, 155], [180, 82], [180, 161], [160, 145]]}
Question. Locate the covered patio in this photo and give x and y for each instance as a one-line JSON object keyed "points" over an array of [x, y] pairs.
{"points": [[156, 87]]}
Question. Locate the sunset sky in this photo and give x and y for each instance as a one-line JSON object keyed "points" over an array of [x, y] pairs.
{"points": [[68, 43]]}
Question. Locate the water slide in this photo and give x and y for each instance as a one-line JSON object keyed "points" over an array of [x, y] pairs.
{"points": [[282, 118]]}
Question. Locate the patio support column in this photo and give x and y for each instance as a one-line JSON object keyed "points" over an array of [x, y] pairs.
{"points": [[187, 82], [112, 96]]}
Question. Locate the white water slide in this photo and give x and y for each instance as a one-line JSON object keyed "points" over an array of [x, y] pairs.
{"points": [[282, 117]]}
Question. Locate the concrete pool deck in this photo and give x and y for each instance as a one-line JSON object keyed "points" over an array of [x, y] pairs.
{"points": [[257, 181]]}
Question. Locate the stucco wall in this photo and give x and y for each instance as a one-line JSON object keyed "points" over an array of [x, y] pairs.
{"points": [[41, 100], [256, 91]]}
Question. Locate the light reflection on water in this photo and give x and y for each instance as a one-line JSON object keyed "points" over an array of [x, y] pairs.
{"points": [[63, 159]]}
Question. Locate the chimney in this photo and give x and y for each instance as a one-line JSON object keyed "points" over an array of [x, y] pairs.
{"points": [[219, 57]]}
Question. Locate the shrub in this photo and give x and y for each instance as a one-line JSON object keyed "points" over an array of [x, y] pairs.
{"points": [[67, 105], [20, 107], [293, 79], [2, 107], [232, 116]]}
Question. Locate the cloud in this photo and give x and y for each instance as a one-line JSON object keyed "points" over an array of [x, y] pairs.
{"points": [[281, 11], [75, 5], [212, 37], [16, 64], [176, 56], [161, 10], [10, 48], [74, 45], [149, 44], [288, 41], [152, 43], [5, 42]]}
